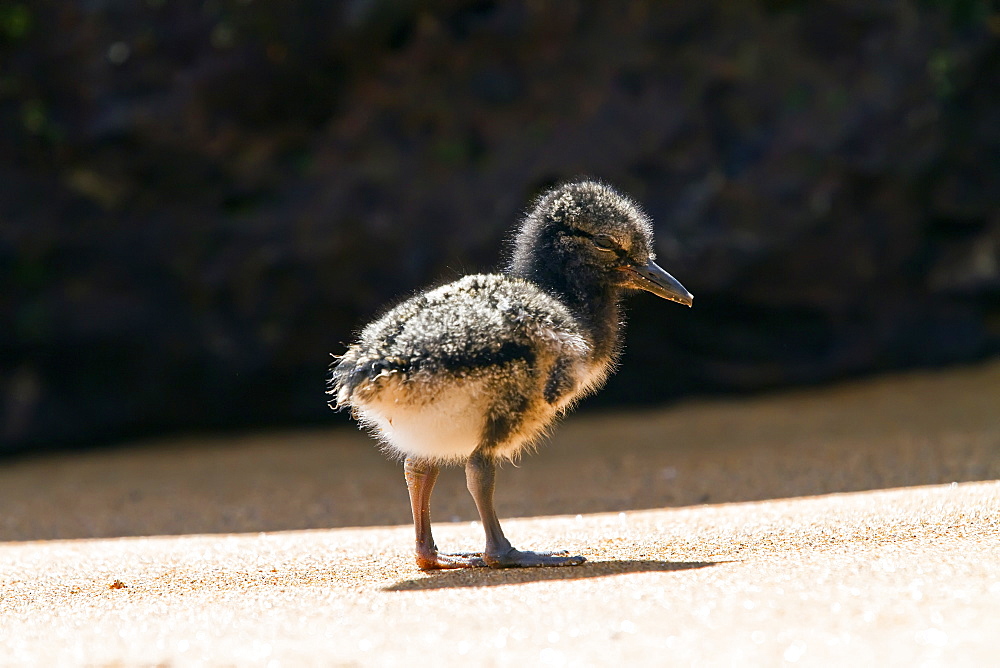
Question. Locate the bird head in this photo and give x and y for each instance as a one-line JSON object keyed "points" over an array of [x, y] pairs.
{"points": [[585, 232]]}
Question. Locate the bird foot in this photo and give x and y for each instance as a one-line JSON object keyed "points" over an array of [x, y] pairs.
{"points": [[434, 561], [513, 558]]}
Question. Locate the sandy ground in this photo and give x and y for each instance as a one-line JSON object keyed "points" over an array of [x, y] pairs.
{"points": [[275, 550]]}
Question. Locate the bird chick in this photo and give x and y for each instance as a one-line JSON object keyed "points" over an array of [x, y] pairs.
{"points": [[475, 371]]}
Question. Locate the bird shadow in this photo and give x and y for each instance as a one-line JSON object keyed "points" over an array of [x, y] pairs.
{"points": [[489, 577]]}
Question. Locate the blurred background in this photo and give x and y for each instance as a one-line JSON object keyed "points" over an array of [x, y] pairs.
{"points": [[200, 201]]}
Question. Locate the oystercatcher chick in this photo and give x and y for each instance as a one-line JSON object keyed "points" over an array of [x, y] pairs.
{"points": [[475, 371]]}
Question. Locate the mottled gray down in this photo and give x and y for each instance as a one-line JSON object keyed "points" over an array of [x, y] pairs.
{"points": [[504, 336], [486, 363]]}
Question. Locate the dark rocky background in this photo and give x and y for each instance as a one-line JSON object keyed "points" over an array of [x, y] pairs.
{"points": [[199, 201]]}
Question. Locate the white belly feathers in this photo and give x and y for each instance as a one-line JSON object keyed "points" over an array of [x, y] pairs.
{"points": [[445, 427]]}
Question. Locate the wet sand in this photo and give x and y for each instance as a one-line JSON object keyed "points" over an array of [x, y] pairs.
{"points": [[699, 549]]}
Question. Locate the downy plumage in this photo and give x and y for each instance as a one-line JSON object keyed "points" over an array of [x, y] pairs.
{"points": [[476, 370]]}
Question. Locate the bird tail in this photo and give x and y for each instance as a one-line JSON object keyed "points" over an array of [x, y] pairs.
{"points": [[354, 370]]}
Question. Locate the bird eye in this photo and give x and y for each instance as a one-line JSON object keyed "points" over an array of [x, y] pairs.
{"points": [[604, 242]]}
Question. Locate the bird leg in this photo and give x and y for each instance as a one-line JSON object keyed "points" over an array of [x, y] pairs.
{"points": [[420, 478], [480, 473]]}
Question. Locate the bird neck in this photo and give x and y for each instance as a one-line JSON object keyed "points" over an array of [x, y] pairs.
{"points": [[593, 303]]}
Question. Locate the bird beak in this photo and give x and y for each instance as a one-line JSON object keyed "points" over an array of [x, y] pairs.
{"points": [[652, 278]]}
